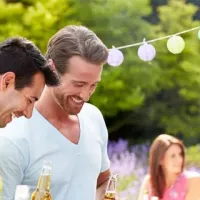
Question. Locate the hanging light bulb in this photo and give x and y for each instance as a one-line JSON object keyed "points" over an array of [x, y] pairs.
{"points": [[175, 44], [115, 57], [146, 52]]}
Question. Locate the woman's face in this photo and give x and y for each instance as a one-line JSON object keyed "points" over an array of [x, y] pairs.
{"points": [[173, 160]]}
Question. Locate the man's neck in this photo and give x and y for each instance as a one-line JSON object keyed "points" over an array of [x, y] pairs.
{"points": [[66, 124], [49, 108], [3, 103]]}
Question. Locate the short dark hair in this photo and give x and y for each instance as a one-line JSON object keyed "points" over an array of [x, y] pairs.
{"points": [[75, 41], [22, 57]]}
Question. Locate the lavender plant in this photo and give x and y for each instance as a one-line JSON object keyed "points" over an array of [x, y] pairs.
{"points": [[131, 163]]}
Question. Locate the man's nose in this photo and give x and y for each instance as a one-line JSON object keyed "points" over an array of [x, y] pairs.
{"points": [[85, 94], [28, 111]]}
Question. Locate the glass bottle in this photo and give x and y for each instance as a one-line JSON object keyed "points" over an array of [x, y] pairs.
{"points": [[42, 191], [111, 188]]}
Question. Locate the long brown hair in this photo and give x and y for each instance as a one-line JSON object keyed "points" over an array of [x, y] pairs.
{"points": [[157, 151]]}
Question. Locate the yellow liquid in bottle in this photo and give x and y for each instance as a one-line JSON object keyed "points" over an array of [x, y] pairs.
{"points": [[42, 192], [110, 195], [41, 195]]}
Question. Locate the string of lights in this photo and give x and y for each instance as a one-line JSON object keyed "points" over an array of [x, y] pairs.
{"points": [[147, 51]]}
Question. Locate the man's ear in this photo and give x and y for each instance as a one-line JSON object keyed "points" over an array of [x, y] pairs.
{"points": [[52, 64], [7, 81]]}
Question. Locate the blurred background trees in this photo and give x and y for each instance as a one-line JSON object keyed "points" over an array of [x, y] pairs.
{"points": [[139, 100]]}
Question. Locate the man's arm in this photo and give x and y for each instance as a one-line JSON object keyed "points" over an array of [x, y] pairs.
{"points": [[11, 168], [102, 182]]}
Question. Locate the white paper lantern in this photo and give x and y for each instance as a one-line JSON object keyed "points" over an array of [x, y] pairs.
{"points": [[175, 44], [115, 57], [146, 52]]}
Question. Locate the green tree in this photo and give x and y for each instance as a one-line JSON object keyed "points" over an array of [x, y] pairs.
{"points": [[176, 105], [163, 94], [117, 23], [37, 20], [124, 89]]}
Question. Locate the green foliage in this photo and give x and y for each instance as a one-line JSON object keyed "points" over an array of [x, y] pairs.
{"points": [[192, 156], [177, 102], [163, 93], [10, 18], [118, 23], [125, 182], [37, 20]]}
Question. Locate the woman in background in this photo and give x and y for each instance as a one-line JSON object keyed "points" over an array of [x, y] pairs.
{"points": [[167, 179]]}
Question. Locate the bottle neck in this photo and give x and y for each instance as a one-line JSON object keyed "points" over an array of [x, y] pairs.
{"points": [[44, 182], [45, 178], [112, 183]]}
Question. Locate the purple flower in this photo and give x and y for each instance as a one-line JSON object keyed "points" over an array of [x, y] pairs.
{"points": [[131, 164]]}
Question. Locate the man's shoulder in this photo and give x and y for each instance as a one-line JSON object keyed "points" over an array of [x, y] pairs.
{"points": [[20, 126], [92, 113], [17, 131], [94, 118], [13, 138], [15, 127], [90, 109]]}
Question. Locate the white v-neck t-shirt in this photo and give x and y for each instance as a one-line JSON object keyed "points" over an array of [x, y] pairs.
{"points": [[26, 143]]}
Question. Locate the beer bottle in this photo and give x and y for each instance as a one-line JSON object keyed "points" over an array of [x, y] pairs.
{"points": [[42, 191], [111, 188]]}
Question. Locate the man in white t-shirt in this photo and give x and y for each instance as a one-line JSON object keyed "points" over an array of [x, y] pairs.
{"points": [[23, 74], [63, 128]]}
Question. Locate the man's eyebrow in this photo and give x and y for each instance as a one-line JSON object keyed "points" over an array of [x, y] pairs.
{"points": [[83, 82]]}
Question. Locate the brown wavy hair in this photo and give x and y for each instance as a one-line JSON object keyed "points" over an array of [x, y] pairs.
{"points": [[74, 40], [157, 151]]}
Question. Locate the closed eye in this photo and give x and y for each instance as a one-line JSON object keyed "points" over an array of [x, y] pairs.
{"points": [[78, 85], [29, 101]]}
